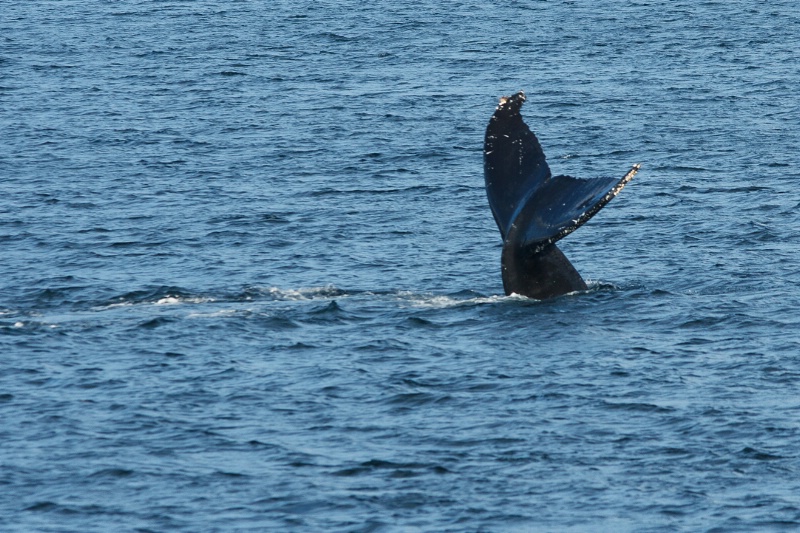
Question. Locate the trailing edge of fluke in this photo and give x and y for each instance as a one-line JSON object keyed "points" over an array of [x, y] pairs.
{"points": [[534, 209]]}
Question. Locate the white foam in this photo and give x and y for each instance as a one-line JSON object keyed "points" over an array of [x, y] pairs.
{"points": [[306, 293], [174, 300], [168, 300], [443, 301]]}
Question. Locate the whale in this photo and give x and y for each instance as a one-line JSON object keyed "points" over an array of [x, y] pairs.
{"points": [[534, 209]]}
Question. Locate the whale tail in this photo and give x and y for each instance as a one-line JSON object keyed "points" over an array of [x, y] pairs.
{"points": [[534, 209]]}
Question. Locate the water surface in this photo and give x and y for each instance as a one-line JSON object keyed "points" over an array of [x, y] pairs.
{"points": [[250, 279]]}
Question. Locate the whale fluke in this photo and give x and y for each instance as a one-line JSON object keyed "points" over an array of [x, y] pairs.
{"points": [[534, 209]]}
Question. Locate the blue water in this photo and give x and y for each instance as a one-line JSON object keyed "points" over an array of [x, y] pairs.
{"points": [[250, 279]]}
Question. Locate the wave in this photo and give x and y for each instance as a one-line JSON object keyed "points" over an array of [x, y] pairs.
{"points": [[324, 303], [162, 295]]}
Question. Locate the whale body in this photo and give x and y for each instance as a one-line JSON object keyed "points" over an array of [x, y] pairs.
{"points": [[534, 209]]}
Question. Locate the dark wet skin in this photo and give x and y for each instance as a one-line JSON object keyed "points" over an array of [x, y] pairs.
{"points": [[534, 209]]}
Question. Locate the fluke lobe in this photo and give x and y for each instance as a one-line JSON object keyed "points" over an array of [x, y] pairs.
{"points": [[534, 209]]}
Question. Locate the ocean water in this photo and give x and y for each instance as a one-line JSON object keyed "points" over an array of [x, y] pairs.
{"points": [[251, 282]]}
